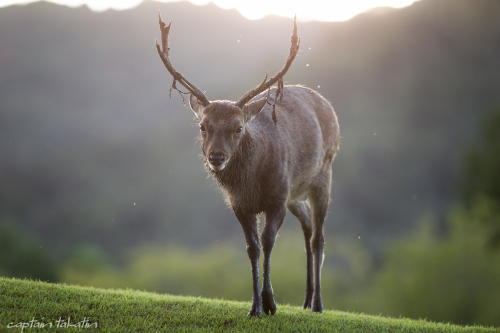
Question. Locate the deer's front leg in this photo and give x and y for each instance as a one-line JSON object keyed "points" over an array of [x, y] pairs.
{"points": [[249, 225], [274, 220]]}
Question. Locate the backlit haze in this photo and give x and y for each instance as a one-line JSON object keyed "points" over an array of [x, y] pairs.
{"points": [[320, 10]]}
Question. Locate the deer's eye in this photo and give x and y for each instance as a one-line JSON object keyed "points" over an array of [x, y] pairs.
{"points": [[239, 130], [202, 128]]}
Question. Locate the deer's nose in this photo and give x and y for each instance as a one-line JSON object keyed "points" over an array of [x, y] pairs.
{"points": [[216, 158]]}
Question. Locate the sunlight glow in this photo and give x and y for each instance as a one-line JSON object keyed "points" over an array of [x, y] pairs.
{"points": [[320, 10], [95, 5]]}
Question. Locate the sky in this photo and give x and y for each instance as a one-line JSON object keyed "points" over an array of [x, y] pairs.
{"points": [[320, 10]]}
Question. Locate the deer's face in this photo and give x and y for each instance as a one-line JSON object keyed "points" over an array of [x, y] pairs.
{"points": [[222, 125]]}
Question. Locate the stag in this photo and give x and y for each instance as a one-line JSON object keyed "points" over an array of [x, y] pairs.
{"points": [[269, 151]]}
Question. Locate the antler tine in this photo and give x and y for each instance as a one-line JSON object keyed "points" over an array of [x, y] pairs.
{"points": [[294, 48], [178, 77]]}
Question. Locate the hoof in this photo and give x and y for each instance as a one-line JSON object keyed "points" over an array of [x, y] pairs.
{"points": [[255, 311], [268, 303], [307, 302], [316, 305]]}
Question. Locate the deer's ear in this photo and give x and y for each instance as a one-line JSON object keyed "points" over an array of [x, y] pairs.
{"points": [[253, 108], [195, 106]]}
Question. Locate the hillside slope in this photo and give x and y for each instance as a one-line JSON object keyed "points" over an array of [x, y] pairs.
{"points": [[25, 303]]}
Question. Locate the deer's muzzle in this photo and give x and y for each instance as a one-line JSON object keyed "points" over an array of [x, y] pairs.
{"points": [[216, 160]]}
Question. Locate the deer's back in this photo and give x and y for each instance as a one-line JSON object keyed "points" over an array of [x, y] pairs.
{"points": [[302, 144]]}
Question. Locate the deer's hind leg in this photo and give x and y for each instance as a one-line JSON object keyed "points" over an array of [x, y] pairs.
{"points": [[302, 211], [319, 198]]}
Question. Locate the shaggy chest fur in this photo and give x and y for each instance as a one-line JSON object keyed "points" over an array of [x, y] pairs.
{"points": [[246, 182]]}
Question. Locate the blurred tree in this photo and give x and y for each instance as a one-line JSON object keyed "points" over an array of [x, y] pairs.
{"points": [[452, 279], [89, 265], [481, 177], [22, 255]]}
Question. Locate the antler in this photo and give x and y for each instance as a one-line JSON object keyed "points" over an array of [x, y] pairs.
{"points": [[294, 48], [163, 52]]}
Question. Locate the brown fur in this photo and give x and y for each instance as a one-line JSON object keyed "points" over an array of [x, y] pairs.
{"points": [[269, 168]]}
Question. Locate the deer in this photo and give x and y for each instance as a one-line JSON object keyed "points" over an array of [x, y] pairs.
{"points": [[269, 152]]}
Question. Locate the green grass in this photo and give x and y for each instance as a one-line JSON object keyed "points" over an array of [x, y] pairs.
{"points": [[21, 301]]}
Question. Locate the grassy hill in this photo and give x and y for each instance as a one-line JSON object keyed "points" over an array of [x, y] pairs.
{"points": [[24, 302]]}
